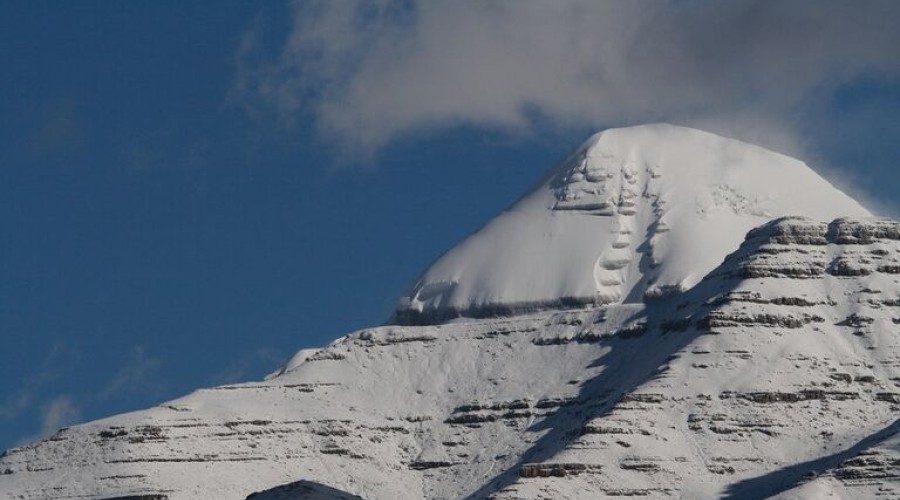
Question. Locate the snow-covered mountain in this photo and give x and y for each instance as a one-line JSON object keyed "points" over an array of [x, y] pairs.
{"points": [[669, 314]]}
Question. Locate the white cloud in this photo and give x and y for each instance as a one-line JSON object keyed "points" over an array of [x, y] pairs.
{"points": [[252, 363], [61, 132], [57, 413], [370, 72], [59, 360], [138, 374]]}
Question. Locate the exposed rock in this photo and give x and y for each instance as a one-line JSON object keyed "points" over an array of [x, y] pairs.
{"points": [[792, 397], [557, 470], [857, 320], [149, 496]]}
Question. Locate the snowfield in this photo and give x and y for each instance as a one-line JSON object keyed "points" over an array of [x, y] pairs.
{"points": [[670, 314]]}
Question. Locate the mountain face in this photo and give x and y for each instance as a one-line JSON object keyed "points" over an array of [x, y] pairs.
{"points": [[668, 314]]}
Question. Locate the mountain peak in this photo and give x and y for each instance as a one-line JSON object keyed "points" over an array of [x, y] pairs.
{"points": [[599, 228], [774, 376]]}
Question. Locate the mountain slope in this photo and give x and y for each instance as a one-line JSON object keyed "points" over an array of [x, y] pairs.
{"points": [[787, 353], [778, 373]]}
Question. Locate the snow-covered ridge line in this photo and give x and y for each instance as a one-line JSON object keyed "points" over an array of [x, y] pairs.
{"points": [[841, 231]]}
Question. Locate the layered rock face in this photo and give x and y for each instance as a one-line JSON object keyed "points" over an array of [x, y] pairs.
{"points": [[775, 375]]}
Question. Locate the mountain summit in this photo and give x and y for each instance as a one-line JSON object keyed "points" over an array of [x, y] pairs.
{"points": [[668, 314], [620, 220]]}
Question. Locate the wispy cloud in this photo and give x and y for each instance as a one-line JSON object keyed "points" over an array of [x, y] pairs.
{"points": [[257, 362], [57, 361], [370, 72], [55, 413], [61, 131], [137, 374]]}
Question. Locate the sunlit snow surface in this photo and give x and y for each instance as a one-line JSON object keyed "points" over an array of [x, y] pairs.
{"points": [[635, 211]]}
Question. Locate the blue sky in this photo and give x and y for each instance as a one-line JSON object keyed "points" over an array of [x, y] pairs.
{"points": [[188, 196]]}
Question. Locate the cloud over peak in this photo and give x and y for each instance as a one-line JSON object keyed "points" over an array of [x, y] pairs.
{"points": [[368, 73]]}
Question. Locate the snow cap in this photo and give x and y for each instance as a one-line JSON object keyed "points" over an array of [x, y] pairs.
{"points": [[633, 214]]}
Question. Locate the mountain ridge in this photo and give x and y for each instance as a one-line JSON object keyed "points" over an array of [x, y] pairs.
{"points": [[775, 374]]}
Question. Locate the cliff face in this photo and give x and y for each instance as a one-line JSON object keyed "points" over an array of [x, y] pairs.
{"points": [[775, 373]]}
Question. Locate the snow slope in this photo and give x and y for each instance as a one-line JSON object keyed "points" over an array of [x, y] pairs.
{"points": [[619, 219], [775, 375]]}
